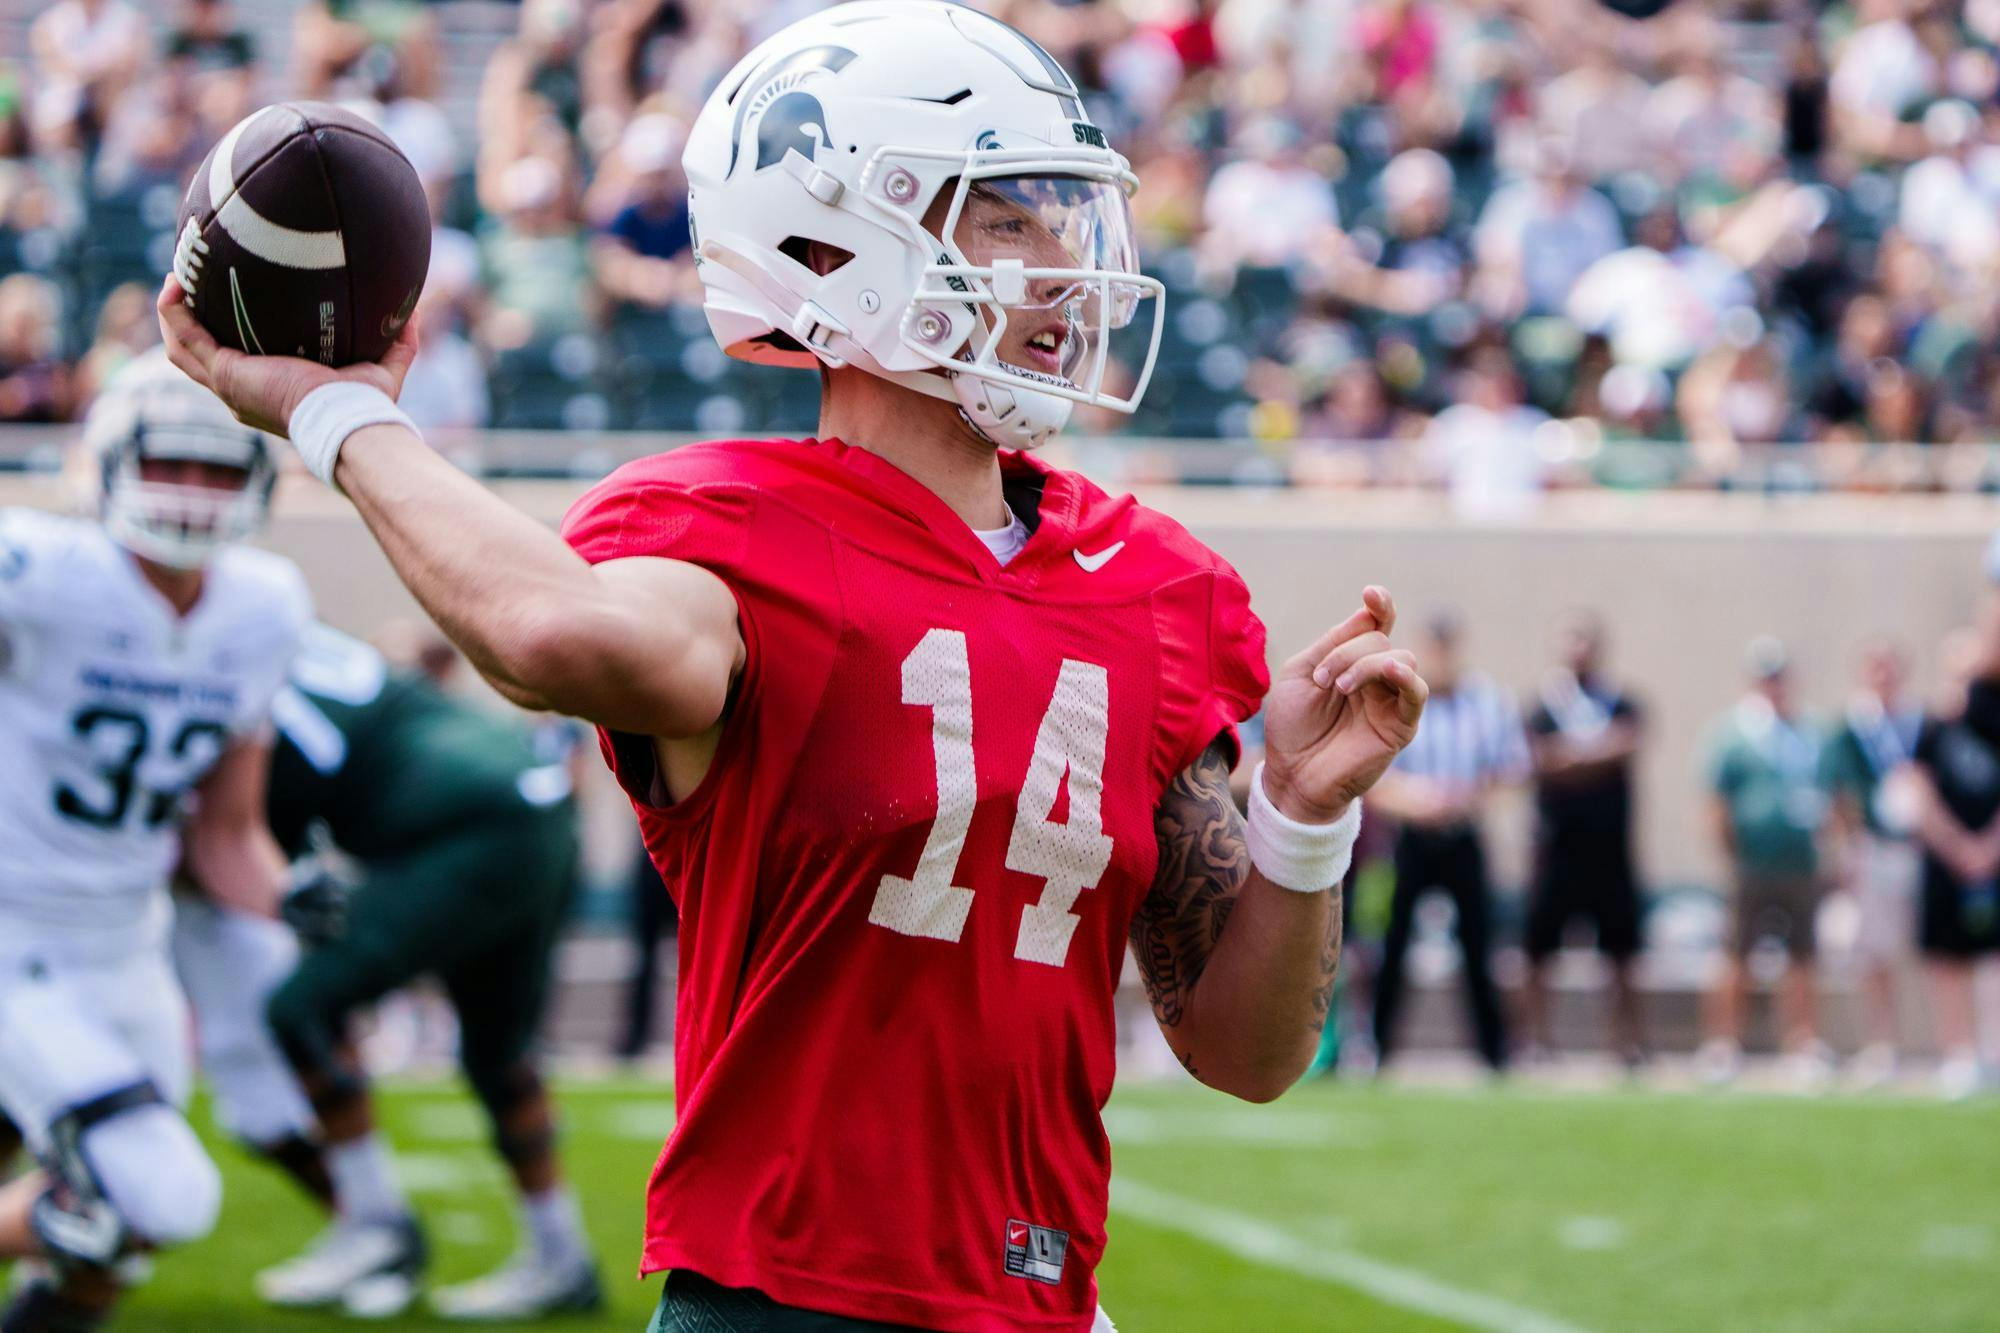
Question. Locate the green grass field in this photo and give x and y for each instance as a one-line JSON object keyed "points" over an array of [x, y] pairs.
{"points": [[1339, 1207]]}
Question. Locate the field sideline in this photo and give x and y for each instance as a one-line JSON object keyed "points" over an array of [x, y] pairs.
{"points": [[1515, 1210]]}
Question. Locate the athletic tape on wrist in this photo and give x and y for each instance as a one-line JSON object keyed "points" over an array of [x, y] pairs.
{"points": [[1305, 858], [325, 417]]}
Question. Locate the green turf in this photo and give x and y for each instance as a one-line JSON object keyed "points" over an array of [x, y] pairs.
{"points": [[1605, 1211]]}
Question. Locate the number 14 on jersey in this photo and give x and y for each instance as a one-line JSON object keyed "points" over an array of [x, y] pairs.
{"points": [[1068, 857]]}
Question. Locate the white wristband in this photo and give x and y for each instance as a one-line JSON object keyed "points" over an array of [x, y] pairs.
{"points": [[325, 417], [1305, 858]]}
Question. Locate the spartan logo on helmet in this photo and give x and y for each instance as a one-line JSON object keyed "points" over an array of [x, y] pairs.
{"points": [[790, 119]]}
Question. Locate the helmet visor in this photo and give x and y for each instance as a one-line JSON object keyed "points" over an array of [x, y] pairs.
{"points": [[1048, 224]]}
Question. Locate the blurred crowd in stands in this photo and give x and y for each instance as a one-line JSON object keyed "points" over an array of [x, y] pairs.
{"points": [[1512, 236]]}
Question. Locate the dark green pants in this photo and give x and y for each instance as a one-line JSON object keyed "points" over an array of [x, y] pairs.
{"points": [[481, 909], [693, 1304]]}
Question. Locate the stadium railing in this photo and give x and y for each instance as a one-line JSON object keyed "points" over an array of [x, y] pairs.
{"points": [[1575, 457]]}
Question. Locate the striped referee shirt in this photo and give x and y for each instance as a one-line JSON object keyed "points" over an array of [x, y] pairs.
{"points": [[1470, 736]]}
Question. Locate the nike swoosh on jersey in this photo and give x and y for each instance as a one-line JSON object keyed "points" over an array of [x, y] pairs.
{"points": [[1092, 563]]}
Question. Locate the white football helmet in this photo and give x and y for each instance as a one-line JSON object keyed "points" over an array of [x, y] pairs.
{"points": [[845, 129], [151, 411]]}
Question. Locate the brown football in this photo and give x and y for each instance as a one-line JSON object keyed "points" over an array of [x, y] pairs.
{"points": [[304, 233]]}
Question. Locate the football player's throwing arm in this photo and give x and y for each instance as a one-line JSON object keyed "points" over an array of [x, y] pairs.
{"points": [[648, 646]]}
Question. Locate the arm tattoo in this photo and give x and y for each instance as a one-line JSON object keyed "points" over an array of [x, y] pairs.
{"points": [[1329, 964], [1203, 866]]}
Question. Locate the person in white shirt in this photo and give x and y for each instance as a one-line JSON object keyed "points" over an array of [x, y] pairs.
{"points": [[86, 54], [1882, 68], [1706, 119], [1949, 199], [138, 658], [1537, 235], [1268, 207], [1486, 447]]}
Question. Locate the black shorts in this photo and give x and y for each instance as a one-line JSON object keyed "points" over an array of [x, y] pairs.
{"points": [[1584, 874], [1952, 924]]}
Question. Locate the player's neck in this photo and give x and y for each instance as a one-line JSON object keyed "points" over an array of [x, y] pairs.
{"points": [[925, 438], [181, 587]]}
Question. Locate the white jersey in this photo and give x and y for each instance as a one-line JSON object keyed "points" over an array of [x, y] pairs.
{"points": [[112, 707]]}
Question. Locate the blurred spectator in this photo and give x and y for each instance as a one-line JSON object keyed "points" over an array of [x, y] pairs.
{"points": [[642, 255], [86, 53], [34, 385], [1807, 134], [422, 130], [1875, 808], [1949, 199], [1436, 791], [1957, 768], [27, 201], [1355, 407], [219, 63], [1660, 301], [536, 69], [1707, 122], [1897, 409], [1731, 397], [1583, 738], [205, 34], [446, 387], [216, 58], [1882, 69], [1599, 108], [1763, 774], [126, 326], [1411, 264], [534, 260], [1399, 40], [365, 40], [1486, 447], [153, 137], [1866, 337], [1538, 235], [1267, 207]]}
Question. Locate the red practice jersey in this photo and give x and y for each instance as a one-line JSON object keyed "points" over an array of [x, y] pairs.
{"points": [[906, 882]]}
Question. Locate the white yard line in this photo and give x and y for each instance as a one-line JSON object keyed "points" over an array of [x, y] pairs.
{"points": [[1260, 1242]]}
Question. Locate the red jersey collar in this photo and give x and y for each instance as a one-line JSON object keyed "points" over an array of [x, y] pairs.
{"points": [[1055, 521]]}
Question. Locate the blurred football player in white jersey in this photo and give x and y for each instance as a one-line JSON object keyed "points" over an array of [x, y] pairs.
{"points": [[138, 658]]}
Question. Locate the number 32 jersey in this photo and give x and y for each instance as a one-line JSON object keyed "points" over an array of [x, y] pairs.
{"points": [[111, 709], [907, 880]]}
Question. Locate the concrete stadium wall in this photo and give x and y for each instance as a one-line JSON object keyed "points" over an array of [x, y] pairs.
{"points": [[1684, 580]]}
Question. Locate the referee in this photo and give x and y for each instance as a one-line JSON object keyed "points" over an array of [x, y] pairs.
{"points": [[1470, 742]]}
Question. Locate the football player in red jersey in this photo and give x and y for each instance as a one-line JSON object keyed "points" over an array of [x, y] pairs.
{"points": [[922, 732]]}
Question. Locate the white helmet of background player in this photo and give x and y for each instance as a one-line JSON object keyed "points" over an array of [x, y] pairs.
{"points": [[152, 411], [847, 128]]}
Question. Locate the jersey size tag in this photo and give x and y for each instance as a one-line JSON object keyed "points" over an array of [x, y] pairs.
{"points": [[1035, 1252]]}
